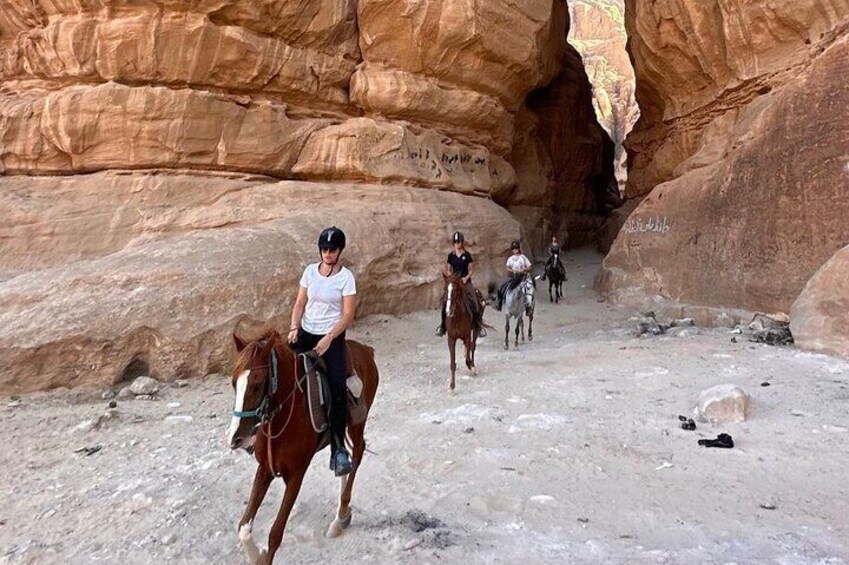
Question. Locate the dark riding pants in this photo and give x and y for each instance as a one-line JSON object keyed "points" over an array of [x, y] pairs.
{"points": [[336, 360]]}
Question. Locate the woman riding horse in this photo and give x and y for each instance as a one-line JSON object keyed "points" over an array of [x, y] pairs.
{"points": [[323, 311], [461, 263]]}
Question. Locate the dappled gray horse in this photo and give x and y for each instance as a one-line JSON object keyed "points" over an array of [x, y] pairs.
{"points": [[518, 303]]}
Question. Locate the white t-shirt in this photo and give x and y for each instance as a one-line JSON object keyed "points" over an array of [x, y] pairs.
{"points": [[518, 262], [324, 298]]}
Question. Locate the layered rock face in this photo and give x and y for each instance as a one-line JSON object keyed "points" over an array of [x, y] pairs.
{"points": [[190, 259], [597, 31], [200, 107], [741, 150]]}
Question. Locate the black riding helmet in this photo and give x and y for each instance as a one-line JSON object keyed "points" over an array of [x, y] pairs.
{"points": [[458, 237], [515, 245], [331, 238]]}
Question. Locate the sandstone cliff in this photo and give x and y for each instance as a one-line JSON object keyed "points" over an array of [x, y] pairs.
{"points": [[741, 150], [597, 31], [142, 145]]}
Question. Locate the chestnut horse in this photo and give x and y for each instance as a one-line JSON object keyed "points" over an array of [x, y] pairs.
{"points": [[271, 419], [459, 323]]}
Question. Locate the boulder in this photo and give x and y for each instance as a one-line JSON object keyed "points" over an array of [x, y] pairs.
{"points": [[144, 386], [723, 404], [819, 318]]}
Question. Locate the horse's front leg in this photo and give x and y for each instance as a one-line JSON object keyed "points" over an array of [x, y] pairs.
{"points": [[469, 346], [520, 327], [531, 326], [551, 283], [275, 536], [262, 479], [452, 344], [343, 512], [506, 332]]}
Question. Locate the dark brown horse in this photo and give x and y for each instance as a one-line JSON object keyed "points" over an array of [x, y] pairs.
{"points": [[556, 275], [272, 420], [458, 322]]}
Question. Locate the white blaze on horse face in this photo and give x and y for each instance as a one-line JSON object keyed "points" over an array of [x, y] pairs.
{"points": [[241, 388], [448, 301]]}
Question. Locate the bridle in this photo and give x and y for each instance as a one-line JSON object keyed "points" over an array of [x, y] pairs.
{"points": [[264, 412]]}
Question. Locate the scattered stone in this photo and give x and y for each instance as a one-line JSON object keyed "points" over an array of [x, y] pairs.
{"points": [[773, 336], [762, 322], [766, 383], [168, 539], [683, 322], [181, 418], [174, 405], [664, 465], [733, 340], [835, 429], [14, 404], [584, 520], [411, 544], [89, 450], [113, 404], [180, 383], [799, 413], [683, 332], [768, 506], [125, 393], [723, 404], [144, 386], [108, 395], [648, 325], [469, 430], [145, 397], [737, 331], [86, 426]]}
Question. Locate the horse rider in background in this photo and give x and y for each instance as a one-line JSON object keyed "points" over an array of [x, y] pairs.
{"points": [[518, 266]]}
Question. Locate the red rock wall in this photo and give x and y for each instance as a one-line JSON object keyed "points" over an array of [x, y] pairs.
{"points": [[741, 149]]}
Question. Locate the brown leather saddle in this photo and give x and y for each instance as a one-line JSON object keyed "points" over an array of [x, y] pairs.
{"points": [[318, 391]]}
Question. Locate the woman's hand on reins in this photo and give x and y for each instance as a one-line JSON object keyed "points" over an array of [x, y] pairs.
{"points": [[323, 344], [292, 337]]}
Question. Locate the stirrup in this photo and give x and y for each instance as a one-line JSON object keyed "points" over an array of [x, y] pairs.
{"points": [[340, 463]]}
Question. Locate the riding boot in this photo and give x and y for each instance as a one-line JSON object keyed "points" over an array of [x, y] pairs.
{"points": [[440, 331], [340, 460]]}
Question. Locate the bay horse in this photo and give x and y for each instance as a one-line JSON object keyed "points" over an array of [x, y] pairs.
{"points": [[271, 419], [518, 303], [459, 322], [556, 275]]}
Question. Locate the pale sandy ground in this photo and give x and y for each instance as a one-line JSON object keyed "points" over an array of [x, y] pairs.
{"points": [[554, 454]]}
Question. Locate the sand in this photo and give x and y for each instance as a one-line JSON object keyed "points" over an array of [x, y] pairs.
{"points": [[564, 450]]}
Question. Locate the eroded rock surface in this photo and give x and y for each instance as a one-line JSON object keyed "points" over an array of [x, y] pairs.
{"points": [[741, 149], [819, 318], [164, 294]]}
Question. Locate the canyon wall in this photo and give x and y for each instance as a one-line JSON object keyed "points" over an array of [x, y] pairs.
{"points": [[167, 164], [739, 162]]}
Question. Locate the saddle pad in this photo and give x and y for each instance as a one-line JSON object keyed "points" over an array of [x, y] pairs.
{"points": [[318, 397]]}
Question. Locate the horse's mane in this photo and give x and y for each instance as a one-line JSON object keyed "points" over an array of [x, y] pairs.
{"points": [[244, 357]]}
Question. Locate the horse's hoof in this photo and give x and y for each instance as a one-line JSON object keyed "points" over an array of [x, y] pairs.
{"points": [[474, 372], [245, 533], [337, 527]]}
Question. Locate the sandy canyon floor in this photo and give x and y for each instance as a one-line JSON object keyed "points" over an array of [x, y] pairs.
{"points": [[565, 450]]}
